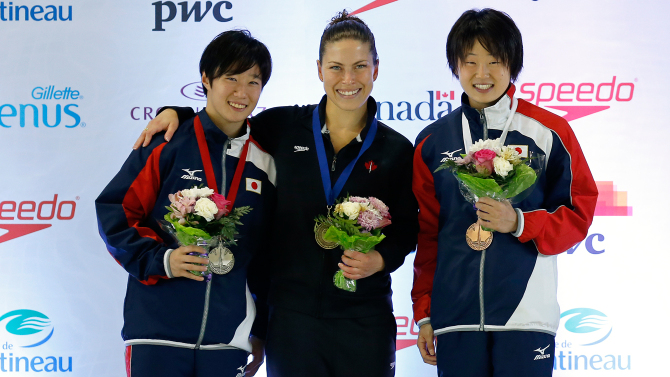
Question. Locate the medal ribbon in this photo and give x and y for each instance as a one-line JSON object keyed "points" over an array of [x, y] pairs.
{"points": [[467, 137], [330, 191], [207, 163]]}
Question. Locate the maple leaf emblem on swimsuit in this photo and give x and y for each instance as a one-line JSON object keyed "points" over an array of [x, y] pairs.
{"points": [[370, 166]]}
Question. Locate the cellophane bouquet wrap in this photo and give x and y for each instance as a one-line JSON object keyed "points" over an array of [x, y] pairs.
{"points": [[492, 170], [355, 224], [199, 216]]}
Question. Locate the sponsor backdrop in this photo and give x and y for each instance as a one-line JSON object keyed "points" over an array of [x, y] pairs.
{"points": [[80, 79]]}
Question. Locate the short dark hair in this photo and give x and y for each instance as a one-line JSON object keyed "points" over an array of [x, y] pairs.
{"points": [[233, 52], [347, 26], [496, 32]]}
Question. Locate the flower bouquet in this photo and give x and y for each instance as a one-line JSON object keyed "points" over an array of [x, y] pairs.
{"points": [[199, 216], [492, 170], [355, 224]]}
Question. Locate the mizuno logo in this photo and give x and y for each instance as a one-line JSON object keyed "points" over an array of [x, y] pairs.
{"points": [[450, 155], [190, 175], [300, 149], [542, 355]]}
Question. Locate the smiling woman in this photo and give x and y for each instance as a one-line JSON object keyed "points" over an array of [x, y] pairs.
{"points": [[313, 324]]}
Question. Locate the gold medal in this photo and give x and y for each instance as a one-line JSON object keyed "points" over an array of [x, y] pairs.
{"points": [[478, 238], [319, 230]]}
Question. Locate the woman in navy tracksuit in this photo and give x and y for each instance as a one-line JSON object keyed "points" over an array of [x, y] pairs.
{"points": [[176, 324]]}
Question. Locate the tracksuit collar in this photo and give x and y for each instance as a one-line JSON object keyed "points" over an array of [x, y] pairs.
{"points": [[495, 115]]}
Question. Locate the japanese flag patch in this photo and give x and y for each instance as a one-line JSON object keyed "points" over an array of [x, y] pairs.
{"points": [[254, 185], [522, 149]]}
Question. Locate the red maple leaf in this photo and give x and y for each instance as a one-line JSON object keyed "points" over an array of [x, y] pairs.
{"points": [[370, 165]]}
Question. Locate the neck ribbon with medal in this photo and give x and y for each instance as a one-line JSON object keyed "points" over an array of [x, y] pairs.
{"points": [[221, 259], [476, 237], [333, 191]]}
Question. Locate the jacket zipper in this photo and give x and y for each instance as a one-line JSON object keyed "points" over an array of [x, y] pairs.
{"points": [[205, 314], [481, 291], [482, 118]]}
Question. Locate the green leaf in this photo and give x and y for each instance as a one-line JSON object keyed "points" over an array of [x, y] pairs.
{"points": [[524, 177], [480, 186]]}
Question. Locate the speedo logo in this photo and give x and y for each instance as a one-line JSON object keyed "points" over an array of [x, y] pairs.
{"points": [[190, 175], [578, 100], [373, 5], [30, 210]]}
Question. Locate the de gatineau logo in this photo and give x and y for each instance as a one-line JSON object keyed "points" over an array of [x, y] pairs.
{"points": [[22, 330]]}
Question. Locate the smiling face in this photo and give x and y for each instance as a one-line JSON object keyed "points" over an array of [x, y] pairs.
{"points": [[348, 71], [232, 98], [483, 77]]}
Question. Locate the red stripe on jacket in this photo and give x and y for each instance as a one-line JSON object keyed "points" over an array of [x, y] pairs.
{"points": [[554, 233], [140, 199], [425, 260]]}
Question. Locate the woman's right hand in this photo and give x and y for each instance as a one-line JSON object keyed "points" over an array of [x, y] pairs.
{"points": [[167, 121], [181, 263], [426, 344]]}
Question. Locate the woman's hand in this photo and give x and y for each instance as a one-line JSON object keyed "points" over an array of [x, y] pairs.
{"points": [[166, 120], [426, 344], [356, 265], [499, 216], [257, 353], [181, 263]]}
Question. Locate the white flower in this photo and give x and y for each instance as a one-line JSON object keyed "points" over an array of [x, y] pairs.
{"points": [[197, 192], [492, 144], [350, 209], [206, 208], [510, 154], [502, 166]]}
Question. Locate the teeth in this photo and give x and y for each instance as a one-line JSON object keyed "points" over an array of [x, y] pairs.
{"points": [[351, 93], [237, 105], [483, 86]]}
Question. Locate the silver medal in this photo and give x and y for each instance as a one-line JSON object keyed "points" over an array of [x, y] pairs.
{"points": [[221, 260]]}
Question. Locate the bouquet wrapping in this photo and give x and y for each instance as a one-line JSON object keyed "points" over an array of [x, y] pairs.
{"points": [[492, 170], [199, 216], [355, 224]]}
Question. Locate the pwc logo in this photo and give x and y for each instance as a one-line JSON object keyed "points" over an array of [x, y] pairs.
{"points": [[23, 214], [218, 11], [578, 100]]}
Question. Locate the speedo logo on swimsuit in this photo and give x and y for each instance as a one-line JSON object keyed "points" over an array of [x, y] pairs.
{"points": [[191, 175], [298, 148], [450, 155], [542, 355]]}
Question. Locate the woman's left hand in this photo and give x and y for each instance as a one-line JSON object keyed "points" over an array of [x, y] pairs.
{"points": [[356, 265]]}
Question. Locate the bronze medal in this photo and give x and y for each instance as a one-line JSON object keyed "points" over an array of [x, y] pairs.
{"points": [[478, 238], [319, 230], [221, 260]]}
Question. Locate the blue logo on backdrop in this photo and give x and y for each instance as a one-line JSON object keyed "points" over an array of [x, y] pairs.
{"points": [[45, 114], [13, 12], [196, 10], [581, 328], [589, 325], [25, 328], [31, 327]]}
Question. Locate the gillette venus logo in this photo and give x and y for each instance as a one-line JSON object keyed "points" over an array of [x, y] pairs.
{"points": [[29, 211], [45, 114], [578, 100], [27, 328], [580, 329]]}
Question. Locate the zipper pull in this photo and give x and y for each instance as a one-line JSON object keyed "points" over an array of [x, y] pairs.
{"points": [[332, 166]]}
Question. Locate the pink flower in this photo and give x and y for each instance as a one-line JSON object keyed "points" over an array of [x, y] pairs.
{"points": [[181, 205], [484, 161], [380, 206], [464, 161], [357, 199], [368, 220], [221, 204]]}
